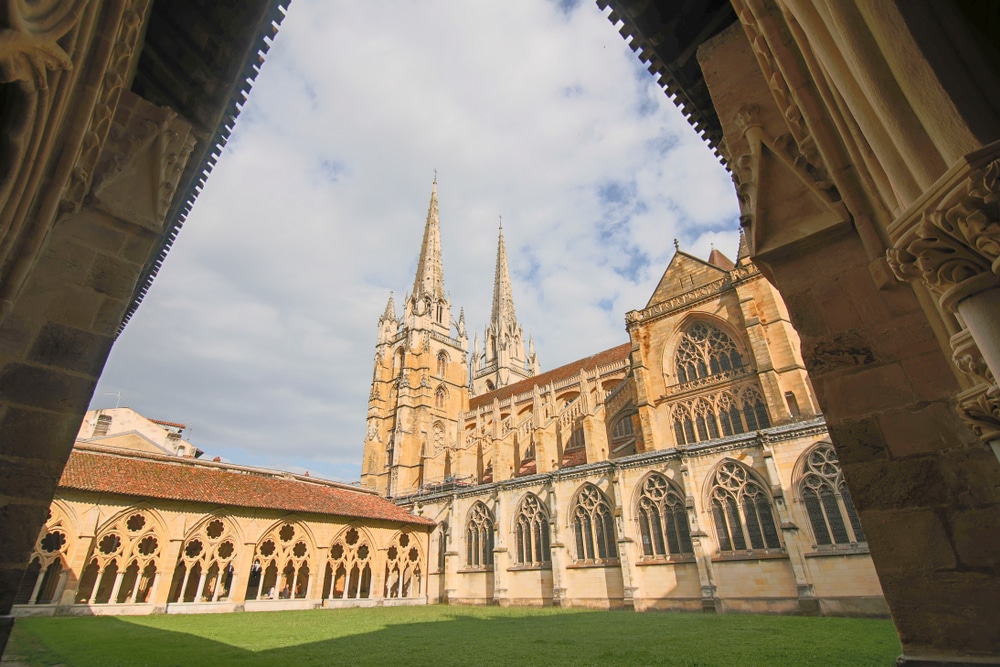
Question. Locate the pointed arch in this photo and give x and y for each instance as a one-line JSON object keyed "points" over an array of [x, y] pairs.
{"points": [[205, 571], [404, 563], [442, 363], [531, 532], [742, 508], [479, 528], [701, 346], [822, 489], [281, 563], [440, 397], [349, 561], [661, 517], [131, 542], [592, 521]]}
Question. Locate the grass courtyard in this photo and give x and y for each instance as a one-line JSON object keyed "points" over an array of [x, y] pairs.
{"points": [[444, 635]]}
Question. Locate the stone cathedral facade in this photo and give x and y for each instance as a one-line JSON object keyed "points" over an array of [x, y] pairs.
{"points": [[688, 468]]}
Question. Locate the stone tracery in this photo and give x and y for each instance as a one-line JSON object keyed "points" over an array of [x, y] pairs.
{"points": [[206, 572], [123, 567]]}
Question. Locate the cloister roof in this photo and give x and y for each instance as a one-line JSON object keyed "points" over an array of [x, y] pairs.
{"points": [[103, 470], [555, 375]]}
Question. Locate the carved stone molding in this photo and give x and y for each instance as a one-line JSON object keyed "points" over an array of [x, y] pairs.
{"points": [[949, 239], [969, 359], [979, 407]]}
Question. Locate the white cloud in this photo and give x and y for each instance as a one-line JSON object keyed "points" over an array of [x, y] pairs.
{"points": [[260, 329]]}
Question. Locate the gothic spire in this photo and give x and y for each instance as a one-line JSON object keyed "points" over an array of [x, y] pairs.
{"points": [[503, 298], [390, 310], [430, 273]]}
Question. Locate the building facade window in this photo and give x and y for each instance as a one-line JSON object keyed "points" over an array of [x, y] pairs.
{"points": [[720, 415], [440, 396], [663, 519], [705, 350], [742, 511], [832, 514], [442, 363], [531, 532], [479, 537], [593, 526]]}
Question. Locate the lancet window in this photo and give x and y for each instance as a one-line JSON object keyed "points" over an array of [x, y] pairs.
{"points": [[403, 576], [623, 435], [663, 519], [47, 571], [479, 537], [442, 363], [122, 568], [742, 511], [206, 572], [280, 568], [831, 512], [593, 526], [532, 532], [440, 396], [348, 568], [705, 350], [721, 415]]}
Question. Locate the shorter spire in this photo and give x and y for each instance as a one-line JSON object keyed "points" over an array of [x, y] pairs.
{"points": [[390, 309]]}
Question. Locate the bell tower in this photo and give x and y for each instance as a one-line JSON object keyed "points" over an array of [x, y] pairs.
{"points": [[419, 385]]}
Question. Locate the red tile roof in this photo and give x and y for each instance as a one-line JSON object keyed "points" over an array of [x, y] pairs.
{"points": [[555, 375], [93, 468], [574, 457], [163, 423]]}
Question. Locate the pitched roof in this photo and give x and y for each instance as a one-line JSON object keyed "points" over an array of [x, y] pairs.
{"points": [[101, 470], [555, 375]]}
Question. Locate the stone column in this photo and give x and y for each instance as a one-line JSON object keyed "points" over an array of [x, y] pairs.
{"points": [[626, 545]]}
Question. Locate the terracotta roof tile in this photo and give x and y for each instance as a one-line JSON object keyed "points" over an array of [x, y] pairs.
{"points": [[171, 478], [555, 375], [163, 423], [574, 457]]}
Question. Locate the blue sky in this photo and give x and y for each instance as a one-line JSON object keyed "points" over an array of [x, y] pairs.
{"points": [[259, 331]]}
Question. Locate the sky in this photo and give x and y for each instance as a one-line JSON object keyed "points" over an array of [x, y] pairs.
{"points": [[259, 332]]}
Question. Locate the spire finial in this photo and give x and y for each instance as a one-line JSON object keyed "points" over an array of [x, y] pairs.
{"points": [[677, 245], [501, 222], [435, 176]]}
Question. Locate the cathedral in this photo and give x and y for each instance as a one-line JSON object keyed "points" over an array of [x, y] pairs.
{"points": [[688, 468]]}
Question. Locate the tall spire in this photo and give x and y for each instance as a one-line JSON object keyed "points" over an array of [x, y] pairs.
{"points": [[503, 298], [390, 310], [430, 273]]}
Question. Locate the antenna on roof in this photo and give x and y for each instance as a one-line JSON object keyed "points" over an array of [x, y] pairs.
{"points": [[118, 393]]}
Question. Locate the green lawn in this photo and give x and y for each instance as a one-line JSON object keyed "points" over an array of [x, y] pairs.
{"points": [[443, 635]]}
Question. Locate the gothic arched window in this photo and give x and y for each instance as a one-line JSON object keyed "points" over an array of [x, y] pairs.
{"points": [[831, 512], [439, 397], [754, 409], [742, 511], [729, 415], [348, 568], [704, 420], [479, 537], [205, 571], [683, 426], [128, 549], [663, 519], [532, 532], [593, 526], [705, 350], [442, 363]]}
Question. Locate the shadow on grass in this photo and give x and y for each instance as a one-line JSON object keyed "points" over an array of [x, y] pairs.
{"points": [[453, 636]]}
